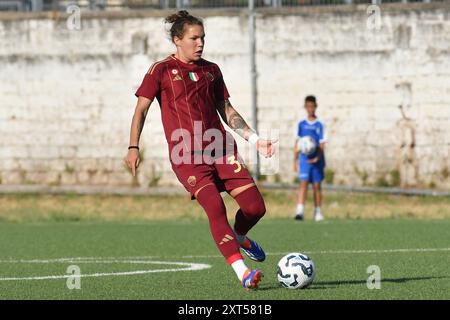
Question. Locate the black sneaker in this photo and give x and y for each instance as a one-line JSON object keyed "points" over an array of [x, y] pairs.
{"points": [[299, 217]]}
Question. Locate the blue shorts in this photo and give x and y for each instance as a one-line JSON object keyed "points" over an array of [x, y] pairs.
{"points": [[313, 173]]}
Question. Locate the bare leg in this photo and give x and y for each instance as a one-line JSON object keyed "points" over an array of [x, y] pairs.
{"points": [[317, 194], [317, 201], [301, 199]]}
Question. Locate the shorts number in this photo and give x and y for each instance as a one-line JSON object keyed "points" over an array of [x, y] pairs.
{"points": [[232, 160]]}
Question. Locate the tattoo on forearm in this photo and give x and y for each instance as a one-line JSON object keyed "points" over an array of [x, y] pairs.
{"points": [[233, 119], [237, 123]]}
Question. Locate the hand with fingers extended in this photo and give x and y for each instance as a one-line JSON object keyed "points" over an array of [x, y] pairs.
{"points": [[314, 160], [266, 147], [132, 160]]}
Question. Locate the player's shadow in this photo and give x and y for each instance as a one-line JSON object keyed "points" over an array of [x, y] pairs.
{"points": [[334, 284], [320, 285]]}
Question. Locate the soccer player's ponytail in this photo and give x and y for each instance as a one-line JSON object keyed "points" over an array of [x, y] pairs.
{"points": [[179, 15], [178, 20]]}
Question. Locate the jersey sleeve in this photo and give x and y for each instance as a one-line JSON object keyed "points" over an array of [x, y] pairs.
{"points": [[323, 134], [220, 89], [151, 84]]}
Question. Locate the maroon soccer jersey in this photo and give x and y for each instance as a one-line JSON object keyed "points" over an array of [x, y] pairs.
{"points": [[188, 95]]}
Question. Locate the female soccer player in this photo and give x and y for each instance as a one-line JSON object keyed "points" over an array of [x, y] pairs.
{"points": [[311, 166], [192, 95]]}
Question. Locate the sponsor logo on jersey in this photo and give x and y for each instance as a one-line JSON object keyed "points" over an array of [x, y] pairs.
{"points": [[193, 76], [192, 180], [209, 76], [177, 77]]}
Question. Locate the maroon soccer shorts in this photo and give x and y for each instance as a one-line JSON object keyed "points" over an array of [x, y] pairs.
{"points": [[226, 172]]}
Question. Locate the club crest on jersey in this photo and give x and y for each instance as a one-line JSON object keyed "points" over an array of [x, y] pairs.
{"points": [[209, 76], [174, 71], [191, 180], [193, 76]]}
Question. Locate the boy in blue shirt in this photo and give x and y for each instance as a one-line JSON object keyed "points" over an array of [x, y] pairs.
{"points": [[311, 166]]}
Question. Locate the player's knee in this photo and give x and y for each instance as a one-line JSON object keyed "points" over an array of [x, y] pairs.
{"points": [[257, 209], [251, 203]]}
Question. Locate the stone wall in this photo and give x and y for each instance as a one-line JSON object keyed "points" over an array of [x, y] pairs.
{"points": [[66, 96]]}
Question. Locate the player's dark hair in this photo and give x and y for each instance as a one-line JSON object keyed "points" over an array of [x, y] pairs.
{"points": [[179, 20], [311, 99]]}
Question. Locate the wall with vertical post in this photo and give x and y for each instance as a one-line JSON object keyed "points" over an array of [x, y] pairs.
{"points": [[67, 96]]}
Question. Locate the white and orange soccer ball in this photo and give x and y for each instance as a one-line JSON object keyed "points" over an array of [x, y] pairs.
{"points": [[306, 145], [296, 271]]}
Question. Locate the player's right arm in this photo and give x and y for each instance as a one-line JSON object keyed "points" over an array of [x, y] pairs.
{"points": [[148, 90], [321, 149], [296, 154], [296, 151], [237, 123], [137, 124]]}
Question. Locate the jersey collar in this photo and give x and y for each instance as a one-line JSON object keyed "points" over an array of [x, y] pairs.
{"points": [[187, 65], [311, 122]]}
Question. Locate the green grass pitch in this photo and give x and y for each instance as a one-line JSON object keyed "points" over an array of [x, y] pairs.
{"points": [[341, 249]]}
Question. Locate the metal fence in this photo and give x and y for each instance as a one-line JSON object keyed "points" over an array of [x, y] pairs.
{"points": [[61, 5]]}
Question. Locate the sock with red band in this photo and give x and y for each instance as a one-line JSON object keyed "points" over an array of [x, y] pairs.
{"points": [[252, 209], [211, 201]]}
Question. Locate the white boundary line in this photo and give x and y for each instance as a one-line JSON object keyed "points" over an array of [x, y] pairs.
{"points": [[187, 267], [339, 252]]}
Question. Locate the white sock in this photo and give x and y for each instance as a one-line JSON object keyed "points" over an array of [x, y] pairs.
{"points": [[317, 210], [240, 238], [239, 267], [300, 209]]}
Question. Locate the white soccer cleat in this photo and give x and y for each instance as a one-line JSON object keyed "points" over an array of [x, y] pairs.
{"points": [[318, 217]]}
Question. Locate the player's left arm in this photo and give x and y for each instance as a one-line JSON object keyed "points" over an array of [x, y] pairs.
{"points": [[320, 153], [321, 149], [236, 122]]}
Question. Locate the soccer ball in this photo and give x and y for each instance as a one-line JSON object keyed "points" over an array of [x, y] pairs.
{"points": [[306, 145], [296, 271]]}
